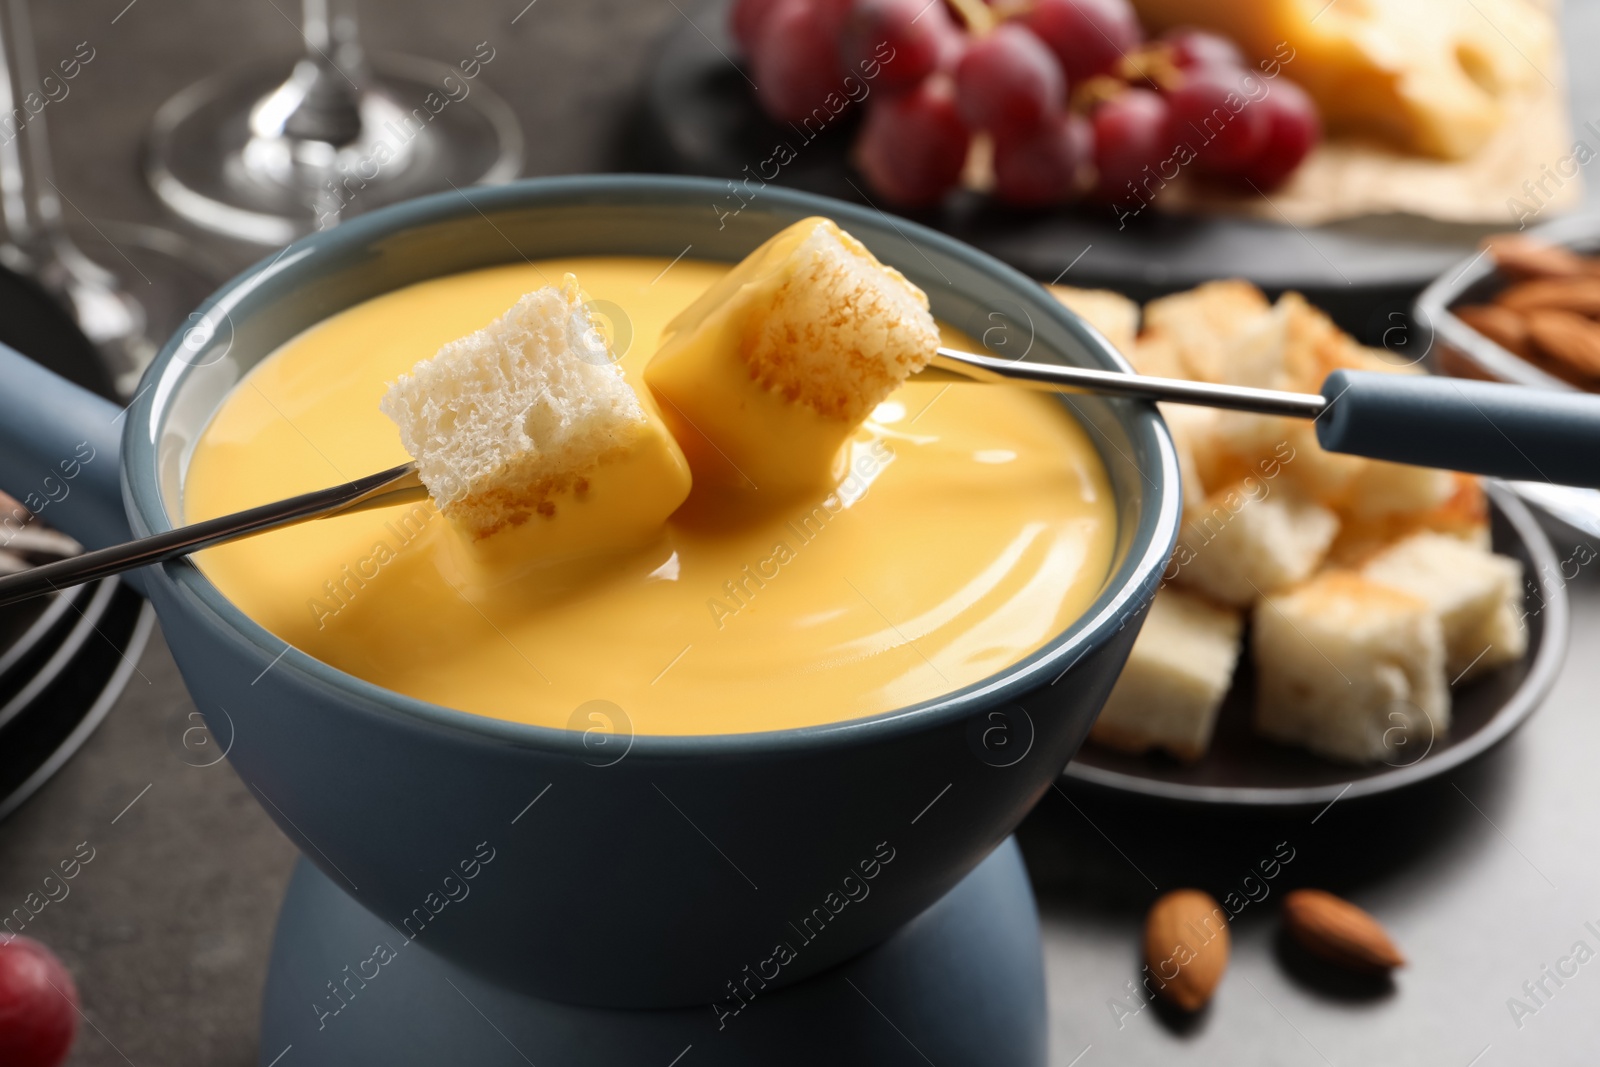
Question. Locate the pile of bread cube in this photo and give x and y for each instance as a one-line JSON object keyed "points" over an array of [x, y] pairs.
{"points": [[1367, 589]]}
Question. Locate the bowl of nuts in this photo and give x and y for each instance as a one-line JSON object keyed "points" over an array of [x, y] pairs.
{"points": [[1525, 309]]}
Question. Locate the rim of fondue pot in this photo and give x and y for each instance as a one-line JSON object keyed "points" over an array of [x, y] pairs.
{"points": [[330, 755]]}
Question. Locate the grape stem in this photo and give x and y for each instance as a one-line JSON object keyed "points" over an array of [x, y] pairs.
{"points": [[976, 14]]}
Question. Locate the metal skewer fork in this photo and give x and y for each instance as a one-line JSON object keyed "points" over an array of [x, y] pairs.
{"points": [[1502, 431], [395, 486], [1479, 427], [952, 365]]}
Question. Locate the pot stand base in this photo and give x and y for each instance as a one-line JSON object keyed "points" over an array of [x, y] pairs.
{"points": [[961, 984]]}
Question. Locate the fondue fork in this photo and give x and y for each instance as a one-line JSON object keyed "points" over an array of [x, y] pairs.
{"points": [[398, 485], [1479, 427], [1502, 431]]}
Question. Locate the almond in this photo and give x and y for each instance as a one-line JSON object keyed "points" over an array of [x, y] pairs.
{"points": [[1186, 946], [1504, 327], [1339, 932], [1524, 257], [1578, 295], [1570, 341]]}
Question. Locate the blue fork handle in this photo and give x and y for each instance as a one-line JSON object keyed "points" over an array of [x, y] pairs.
{"points": [[1503, 431]]}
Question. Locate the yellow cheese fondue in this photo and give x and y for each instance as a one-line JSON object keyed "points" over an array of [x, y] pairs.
{"points": [[974, 523]]}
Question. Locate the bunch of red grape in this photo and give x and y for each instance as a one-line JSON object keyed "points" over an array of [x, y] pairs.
{"points": [[1075, 103]]}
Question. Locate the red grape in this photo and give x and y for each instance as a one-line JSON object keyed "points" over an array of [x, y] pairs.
{"points": [[905, 39], [912, 147], [1089, 37], [1008, 82], [1213, 115], [953, 42], [795, 60], [1130, 134], [1046, 165], [745, 21], [1293, 129], [1198, 50], [38, 1005]]}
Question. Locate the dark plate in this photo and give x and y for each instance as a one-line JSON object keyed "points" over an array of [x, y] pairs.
{"points": [[1243, 769], [53, 657], [61, 657], [699, 117], [29, 631], [62, 707]]}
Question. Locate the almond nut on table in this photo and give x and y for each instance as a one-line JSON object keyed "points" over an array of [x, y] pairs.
{"points": [[1339, 932], [1186, 946]]}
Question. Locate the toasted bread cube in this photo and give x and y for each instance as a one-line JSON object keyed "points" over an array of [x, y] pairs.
{"points": [[1177, 674], [1464, 516], [1202, 322], [1468, 588], [528, 425], [1393, 488], [1256, 354], [1351, 669], [766, 376], [1191, 430], [1113, 314], [1327, 477], [1240, 435], [1251, 541], [1314, 347], [1158, 355], [1503, 639]]}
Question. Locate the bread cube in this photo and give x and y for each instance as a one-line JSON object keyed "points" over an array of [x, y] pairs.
{"points": [[1311, 470], [1392, 488], [1158, 355], [1464, 516], [528, 424], [1177, 674], [1350, 669], [765, 377], [1202, 322], [1503, 639], [1471, 591], [1191, 434], [1255, 354], [1252, 540], [1113, 314]]}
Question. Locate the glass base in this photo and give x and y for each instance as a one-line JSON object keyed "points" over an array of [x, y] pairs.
{"points": [[130, 288], [424, 128]]}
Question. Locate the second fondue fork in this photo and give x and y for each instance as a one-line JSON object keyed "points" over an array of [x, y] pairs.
{"points": [[1502, 431], [1479, 427]]}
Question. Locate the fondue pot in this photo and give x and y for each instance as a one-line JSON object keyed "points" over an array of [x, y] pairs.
{"points": [[614, 870]]}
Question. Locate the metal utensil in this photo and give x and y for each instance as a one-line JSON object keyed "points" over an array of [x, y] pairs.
{"points": [[1478, 427], [395, 486], [1502, 431]]}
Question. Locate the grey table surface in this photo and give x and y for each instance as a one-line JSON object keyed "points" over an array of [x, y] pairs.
{"points": [[1484, 880]]}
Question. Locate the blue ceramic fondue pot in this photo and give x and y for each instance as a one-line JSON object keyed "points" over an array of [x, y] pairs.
{"points": [[622, 871]]}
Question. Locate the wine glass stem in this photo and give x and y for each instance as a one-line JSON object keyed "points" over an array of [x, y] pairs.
{"points": [[28, 200], [36, 242], [332, 36]]}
